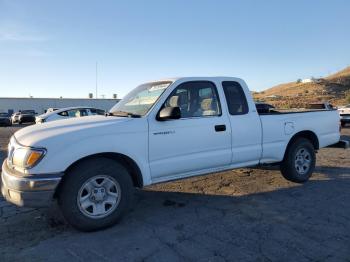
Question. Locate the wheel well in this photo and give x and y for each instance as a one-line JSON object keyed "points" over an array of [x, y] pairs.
{"points": [[126, 161], [311, 136]]}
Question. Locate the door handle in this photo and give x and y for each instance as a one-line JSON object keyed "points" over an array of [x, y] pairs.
{"points": [[220, 128]]}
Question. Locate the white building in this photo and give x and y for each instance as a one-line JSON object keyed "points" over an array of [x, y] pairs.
{"points": [[15, 104], [308, 80]]}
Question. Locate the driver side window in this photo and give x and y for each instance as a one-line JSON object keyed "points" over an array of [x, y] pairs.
{"points": [[195, 99]]}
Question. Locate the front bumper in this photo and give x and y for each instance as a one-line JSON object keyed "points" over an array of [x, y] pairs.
{"points": [[29, 191]]}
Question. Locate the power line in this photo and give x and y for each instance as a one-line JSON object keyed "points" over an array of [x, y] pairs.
{"points": [[96, 82]]}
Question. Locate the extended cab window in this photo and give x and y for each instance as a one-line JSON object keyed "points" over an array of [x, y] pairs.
{"points": [[235, 97], [195, 99]]}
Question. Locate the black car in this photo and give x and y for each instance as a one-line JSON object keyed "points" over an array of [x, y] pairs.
{"points": [[26, 116], [5, 119]]}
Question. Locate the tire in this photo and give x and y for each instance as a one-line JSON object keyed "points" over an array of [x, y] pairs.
{"points": [[299, 161], [83, 198]]}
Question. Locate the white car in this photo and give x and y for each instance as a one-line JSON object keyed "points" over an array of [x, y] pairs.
{"points": [[15, 117], [344, 113], [69, 112], [160, 131]]}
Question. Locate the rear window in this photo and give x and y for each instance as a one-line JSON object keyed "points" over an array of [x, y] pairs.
{"points": [[235, 97]]}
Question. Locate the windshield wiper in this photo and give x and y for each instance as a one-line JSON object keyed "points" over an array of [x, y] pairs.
{"points": [[124, 114]]}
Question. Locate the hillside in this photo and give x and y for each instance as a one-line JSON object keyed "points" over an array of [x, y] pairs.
{"points": [[333, 88]]}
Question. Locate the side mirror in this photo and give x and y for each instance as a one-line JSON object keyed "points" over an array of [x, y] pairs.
{"points": [[168, 113]]}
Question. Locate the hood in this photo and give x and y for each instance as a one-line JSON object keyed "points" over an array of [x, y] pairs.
{"points": [[40, 135]]}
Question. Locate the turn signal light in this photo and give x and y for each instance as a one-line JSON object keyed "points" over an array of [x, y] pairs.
{"points": [[33, 157]]}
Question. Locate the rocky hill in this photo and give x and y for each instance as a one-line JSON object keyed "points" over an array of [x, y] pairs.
{"points": [[334, 89]]}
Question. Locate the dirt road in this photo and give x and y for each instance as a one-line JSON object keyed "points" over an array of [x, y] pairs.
{"points": [[246, 214]]}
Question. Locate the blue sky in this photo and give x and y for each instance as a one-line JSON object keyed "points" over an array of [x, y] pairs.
{"points": [[49, 48]]}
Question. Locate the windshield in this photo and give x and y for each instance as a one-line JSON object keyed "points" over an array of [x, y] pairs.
{"points": [[140, 100]]}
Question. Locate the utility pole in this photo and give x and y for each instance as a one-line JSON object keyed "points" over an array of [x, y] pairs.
{"points": [[96, 82]]}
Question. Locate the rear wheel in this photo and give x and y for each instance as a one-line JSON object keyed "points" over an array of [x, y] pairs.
{"points": [[95, 194], [299, 161]]}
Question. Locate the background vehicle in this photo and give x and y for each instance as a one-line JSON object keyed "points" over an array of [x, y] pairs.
{"points": [[344, 113], [263, 108], [14, 117], [26, 116], [51, 109], [5, 119], [160, 131], [69, 112]]}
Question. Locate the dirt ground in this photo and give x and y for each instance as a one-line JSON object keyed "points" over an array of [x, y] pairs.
{"points": [[240, 215]]}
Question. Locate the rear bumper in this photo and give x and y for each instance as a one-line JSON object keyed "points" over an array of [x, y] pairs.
{"points": [[5, 122], [26, 119], [31, 191]]}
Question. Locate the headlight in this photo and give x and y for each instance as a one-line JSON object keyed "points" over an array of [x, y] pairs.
{"points": [[27, 157]]}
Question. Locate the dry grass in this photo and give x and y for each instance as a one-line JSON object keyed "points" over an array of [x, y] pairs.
{"points": [[333, 89]]}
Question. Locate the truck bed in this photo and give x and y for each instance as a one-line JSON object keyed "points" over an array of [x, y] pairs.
{"points": [[278, 127]]}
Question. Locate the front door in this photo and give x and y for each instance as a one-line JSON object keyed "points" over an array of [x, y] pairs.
{"points": [[200, 140]]}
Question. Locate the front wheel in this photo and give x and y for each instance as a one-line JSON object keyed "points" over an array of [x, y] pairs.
{"points": [[95, 194], [299, 161]]}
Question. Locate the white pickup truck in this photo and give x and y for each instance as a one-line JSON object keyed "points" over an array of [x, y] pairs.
{"points": [[160, 131]]}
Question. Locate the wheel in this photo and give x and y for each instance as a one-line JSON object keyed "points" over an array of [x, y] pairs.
{"points": [[95, 194], [299, 161]]}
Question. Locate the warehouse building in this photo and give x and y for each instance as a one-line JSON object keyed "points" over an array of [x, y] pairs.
{"points": [[40, 105]]}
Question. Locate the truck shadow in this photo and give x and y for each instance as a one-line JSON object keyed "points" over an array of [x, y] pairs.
{"points": [[309, 220]]}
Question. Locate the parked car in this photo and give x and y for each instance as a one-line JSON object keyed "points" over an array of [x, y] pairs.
{"points": [[160, 131], [5, 119], [51, 109], [14, 117], [69, 112], [344, 113], [263, 108], [26, 116]]}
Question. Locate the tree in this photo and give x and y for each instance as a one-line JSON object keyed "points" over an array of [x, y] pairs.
{"points": [[299, 81]]}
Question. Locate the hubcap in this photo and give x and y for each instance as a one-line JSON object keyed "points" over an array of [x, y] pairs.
{"points": [[302, 161], [99, 196]]}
